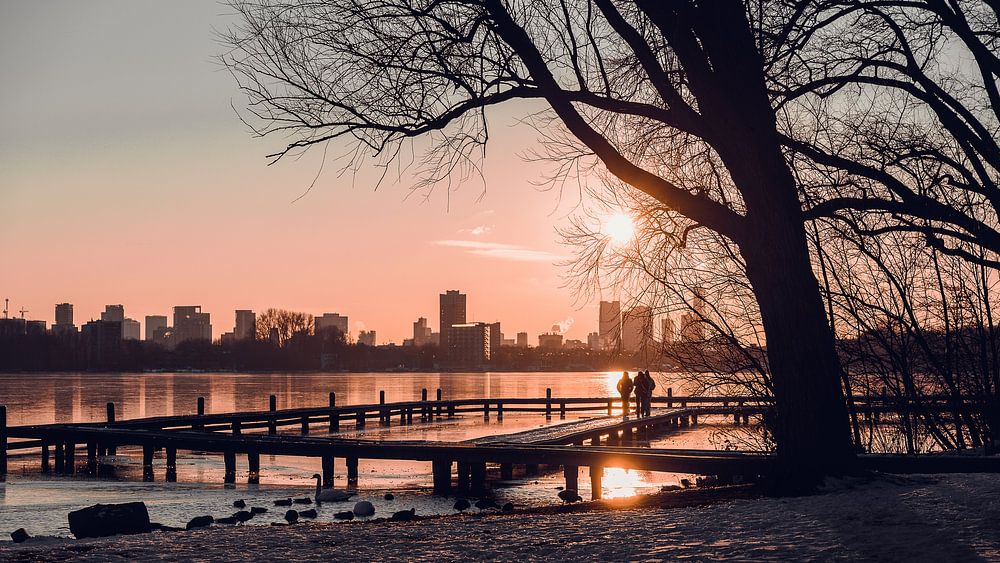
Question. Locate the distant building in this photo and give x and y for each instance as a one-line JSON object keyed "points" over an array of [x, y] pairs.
{"points": [[692, 328], [550, 340], [508, 342], [274, 336], [436, 338], [113, 313], [610, 324], [156, 325], [366, 337], [227, 337], [64, 319], [34, 327], [469, 344], [331, 321], [421, 332], [452, 312], [103, 341], [191, 324], [668, 330], [12, 327], [594, 341], [496, 337], [131, 329], [246, 325], [574, 345], [637, 329], [522, 340]]}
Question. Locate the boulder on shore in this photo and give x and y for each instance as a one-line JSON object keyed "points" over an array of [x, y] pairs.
{"points": [[364, 508], [20, 535], [109, 519]]}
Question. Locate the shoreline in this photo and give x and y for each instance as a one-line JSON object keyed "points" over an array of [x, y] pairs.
{"points": [[881, 517]]}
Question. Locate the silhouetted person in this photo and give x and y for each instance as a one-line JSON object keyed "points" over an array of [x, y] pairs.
{"points": [[644, 386], [625, 386]]}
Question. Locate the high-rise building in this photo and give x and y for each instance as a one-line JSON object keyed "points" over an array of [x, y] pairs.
{"points": [[64, 314], [64, 319], [610, 324], [331, 321], [452, 313], [155, 324], [131, 330], [246, 325], [637, 329], [191, 324], [469, 344], [103, 341], [113, 313], [366, 337], [522, 340], [421, 332], [668, 330], [496, 337], [692, 328]]}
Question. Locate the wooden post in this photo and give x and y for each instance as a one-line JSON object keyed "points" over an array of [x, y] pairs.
{"points": [[596, 487], [360, 419], [548, 402], [237, 428], [746, 419], [253, 467], [229, 458], [91, 458], [383, 417], [305, 425], [610, 406], [499, 410], [111, 419], [201, 412], [694, 419], [328, 461], [171, 465], [3, 442], [562, 409], [409, 415], [439, 400], [70, 458], [478, 477], [572, 474], [147, 462], [506, 471], [451, 411], [334, 417], [423, 407], [402, 416], [486, 410], [45, 459], [60, 460], [670, 397], [442, 477], [464, 472], [272, 424], [352, 471]]}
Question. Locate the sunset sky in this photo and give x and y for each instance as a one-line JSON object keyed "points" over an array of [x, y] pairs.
{"points": [[126, 177]]}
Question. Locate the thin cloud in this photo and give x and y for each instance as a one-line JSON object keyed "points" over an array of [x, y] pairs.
{"points": [[501, 251], [477, 231]]}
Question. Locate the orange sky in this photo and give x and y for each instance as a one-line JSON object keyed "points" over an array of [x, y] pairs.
{"points": [[126, 177]]}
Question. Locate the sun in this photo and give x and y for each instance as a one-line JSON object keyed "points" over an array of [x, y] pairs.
{"points": [[619, 228]]}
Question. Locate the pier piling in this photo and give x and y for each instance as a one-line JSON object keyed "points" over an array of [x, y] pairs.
{"points": [[272, 404], [253, 468], [548, 403], [171, 465], [352, 471], [201, 412], [3, 442], [328, 461], [334, 417], [596, 487], [229, 458], [572, 474], [147, 463], [111, 420], [442, 477]]}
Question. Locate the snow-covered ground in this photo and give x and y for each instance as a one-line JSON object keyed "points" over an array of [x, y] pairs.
{"points": [[890, 518]]}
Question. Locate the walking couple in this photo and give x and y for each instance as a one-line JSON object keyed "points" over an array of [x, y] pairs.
{"points": [[643, 386]]}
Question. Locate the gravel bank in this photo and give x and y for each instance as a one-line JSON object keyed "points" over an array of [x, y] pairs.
{"points": [[927, 518]]}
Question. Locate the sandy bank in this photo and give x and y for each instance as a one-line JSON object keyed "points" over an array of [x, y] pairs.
{"points": [[926, 518]]}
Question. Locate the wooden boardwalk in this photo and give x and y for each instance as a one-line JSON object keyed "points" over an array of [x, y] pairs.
{"points": [[597, 442]]}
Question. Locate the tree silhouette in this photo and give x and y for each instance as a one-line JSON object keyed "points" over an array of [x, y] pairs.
{"points": [[707, 108], [287, 323]]}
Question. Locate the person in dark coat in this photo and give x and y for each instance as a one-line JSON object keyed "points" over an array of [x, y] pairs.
{"points": [[641, 390], [625, 387]]}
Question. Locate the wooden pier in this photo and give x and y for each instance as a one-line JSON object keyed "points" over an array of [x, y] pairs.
{"points": [[600, 441]]}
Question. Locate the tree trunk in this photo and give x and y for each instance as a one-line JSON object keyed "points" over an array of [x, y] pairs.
{"points": [[811, 421]]}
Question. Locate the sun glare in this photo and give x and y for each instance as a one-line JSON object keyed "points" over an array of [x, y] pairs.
{"points": [[619, 228]]}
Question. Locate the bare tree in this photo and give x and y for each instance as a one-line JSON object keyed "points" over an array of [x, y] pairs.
{"points": [[694, 104], [286, 324]]}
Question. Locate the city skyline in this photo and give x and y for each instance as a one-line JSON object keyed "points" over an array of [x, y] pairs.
{"points": [[100, 209]]}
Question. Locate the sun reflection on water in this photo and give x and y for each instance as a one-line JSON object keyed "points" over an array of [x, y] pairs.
{"points": [[620, 483]]}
